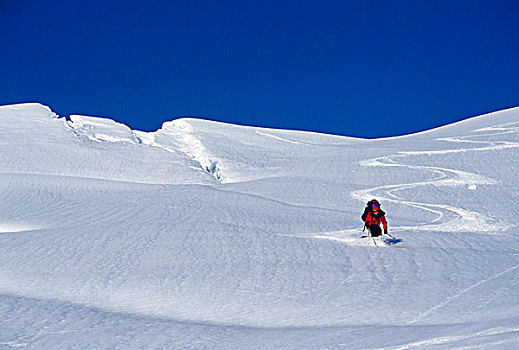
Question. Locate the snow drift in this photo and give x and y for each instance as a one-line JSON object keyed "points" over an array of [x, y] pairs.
{"points": [[210, 235]]}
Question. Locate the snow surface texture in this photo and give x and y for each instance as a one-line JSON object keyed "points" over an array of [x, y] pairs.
{"points": [[208, 235]]}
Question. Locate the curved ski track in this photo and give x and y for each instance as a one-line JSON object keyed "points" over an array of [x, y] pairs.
{"points": [[448, 218]]}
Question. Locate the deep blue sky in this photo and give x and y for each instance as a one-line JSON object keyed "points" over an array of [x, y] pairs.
{"points": [[356, 68]]}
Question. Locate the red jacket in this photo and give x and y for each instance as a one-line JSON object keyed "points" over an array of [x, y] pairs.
{"points": [[371, 220]]}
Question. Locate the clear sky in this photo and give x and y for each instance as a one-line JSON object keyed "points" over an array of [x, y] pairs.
{"points": [[356, 68]]}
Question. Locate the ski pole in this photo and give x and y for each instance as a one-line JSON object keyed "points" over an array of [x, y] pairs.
{"points": [[387, 233], [373, 240]]}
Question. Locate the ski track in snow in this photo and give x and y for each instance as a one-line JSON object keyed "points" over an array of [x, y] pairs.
{"points": [[449, 341], [464, 220], [460, 293], [448, 218]]}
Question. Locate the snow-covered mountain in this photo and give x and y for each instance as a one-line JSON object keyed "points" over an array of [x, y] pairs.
{"points": [[217, 236]]}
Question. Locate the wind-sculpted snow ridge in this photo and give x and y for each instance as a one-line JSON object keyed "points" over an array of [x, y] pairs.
{"points": [[37, 141], [178, 135], [175, 137], [205, 235]]}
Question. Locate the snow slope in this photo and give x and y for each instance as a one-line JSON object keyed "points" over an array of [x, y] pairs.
{"points": [[209, 235]]}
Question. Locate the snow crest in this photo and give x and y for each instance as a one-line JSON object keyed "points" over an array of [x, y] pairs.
{"points": [[101, 129], [178, 135], [175, 136]]}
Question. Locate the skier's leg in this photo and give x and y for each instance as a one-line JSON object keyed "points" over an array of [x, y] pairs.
{"points": [[375, 231]]}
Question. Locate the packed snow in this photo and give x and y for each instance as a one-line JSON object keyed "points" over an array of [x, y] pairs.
{"points": [[205, 235]]}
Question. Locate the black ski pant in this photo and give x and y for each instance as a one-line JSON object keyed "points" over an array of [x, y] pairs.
{"points": [[375, 230]]}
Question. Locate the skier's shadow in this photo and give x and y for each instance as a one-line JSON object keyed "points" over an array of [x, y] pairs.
{"points": [[392, 241]]}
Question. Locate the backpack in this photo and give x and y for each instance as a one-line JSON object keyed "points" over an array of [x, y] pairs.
{"points": [[369, 208]]}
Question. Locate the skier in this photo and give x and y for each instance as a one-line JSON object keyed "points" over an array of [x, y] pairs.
{"points": [[372, 218]]}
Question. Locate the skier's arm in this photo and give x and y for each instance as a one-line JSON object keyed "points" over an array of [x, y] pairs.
{"points": [[384, 222]]}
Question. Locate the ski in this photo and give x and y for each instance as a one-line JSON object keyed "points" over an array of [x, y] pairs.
{"points": [[399, 246], [394, 238], [389, 245]]}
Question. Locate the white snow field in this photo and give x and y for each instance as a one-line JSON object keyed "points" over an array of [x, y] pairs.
{"points": [[204, 235]]}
